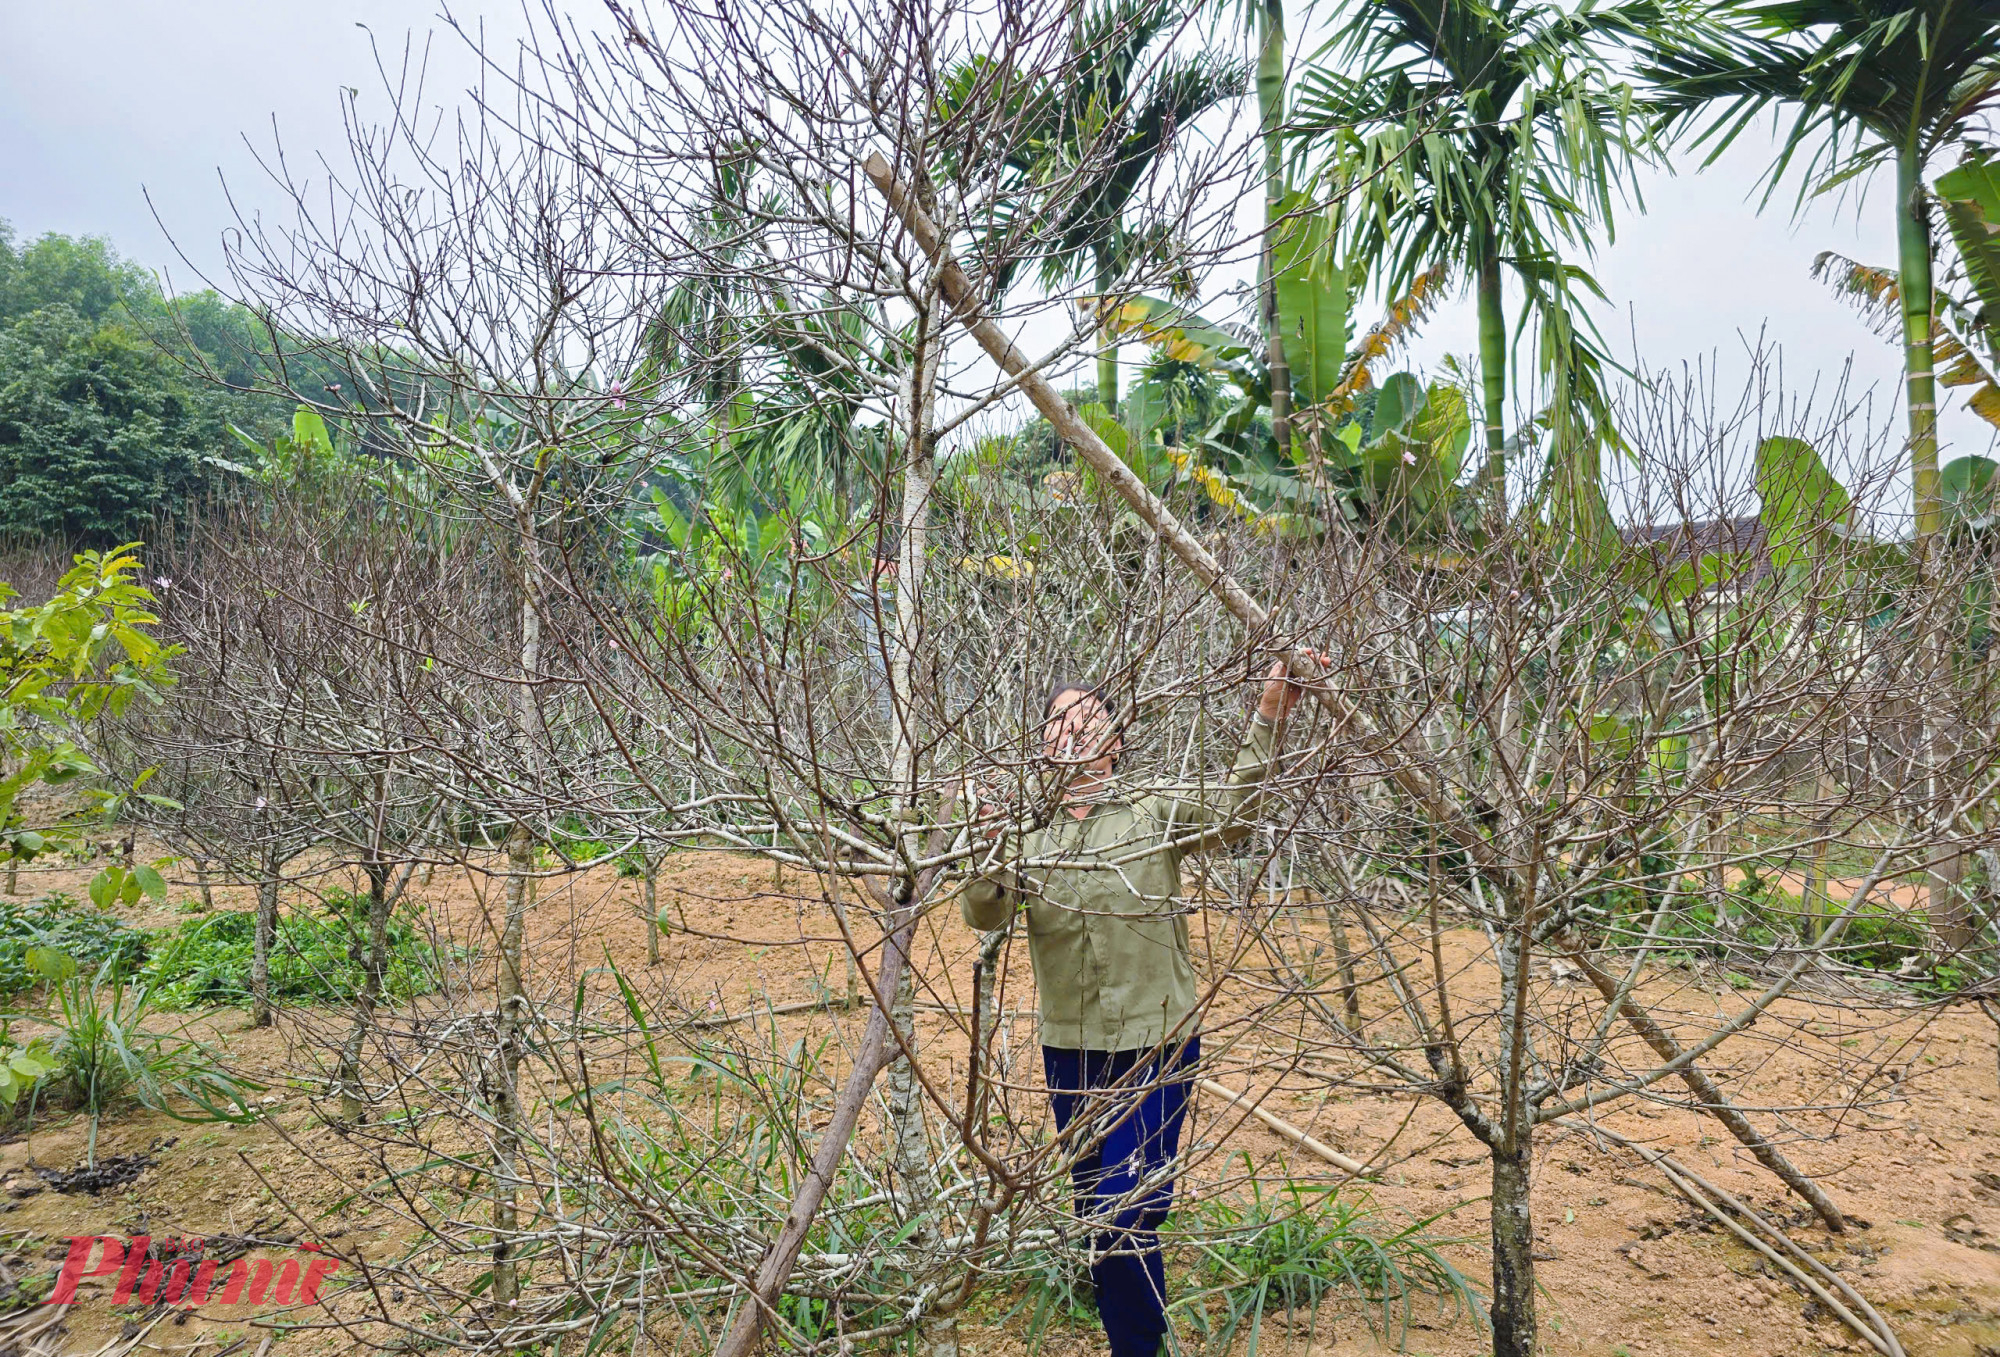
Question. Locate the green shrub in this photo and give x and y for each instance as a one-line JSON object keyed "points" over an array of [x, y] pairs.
{"points": [[315, 959], [88, 935]]}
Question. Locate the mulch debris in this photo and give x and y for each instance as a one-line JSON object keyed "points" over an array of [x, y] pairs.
{"points": [[112, 1171]]}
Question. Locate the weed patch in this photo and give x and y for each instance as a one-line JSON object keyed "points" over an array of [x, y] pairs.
{"points": [[314, 960]]}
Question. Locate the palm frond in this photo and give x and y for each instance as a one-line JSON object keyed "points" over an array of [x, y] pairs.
{"points": [[1389, 334]]}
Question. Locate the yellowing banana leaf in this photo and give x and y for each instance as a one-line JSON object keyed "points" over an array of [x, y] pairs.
{"points": [[1405, 314], [1877, 294], [1001, 567], [1173, 330]]}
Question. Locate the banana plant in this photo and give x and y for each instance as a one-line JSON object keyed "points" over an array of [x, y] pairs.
{"points": [[1386, 456]]}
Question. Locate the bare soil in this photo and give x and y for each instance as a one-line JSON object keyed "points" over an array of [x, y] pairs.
{"points": [[1628, 1266]]}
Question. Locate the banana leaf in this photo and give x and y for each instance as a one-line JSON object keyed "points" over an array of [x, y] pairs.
{"points": [[1312, 305]]}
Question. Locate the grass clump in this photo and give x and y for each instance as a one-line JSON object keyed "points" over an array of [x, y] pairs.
{"points": [[314, 959], [1291, 1249], [107, 1051]]}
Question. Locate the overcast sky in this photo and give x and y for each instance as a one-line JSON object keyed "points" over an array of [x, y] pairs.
{"points": [[103, 102]]}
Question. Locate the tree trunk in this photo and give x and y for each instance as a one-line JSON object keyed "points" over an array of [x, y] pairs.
{"points": [[201, 882], [911, 1166], [1513, 1309], [986, 1010], [1271, 114], [1343, 960], [374, 970], [1815, 902], [1492, 365], [877, 1048], [651, 895], [910, 1154], [262, 939], [511, 998], [510, 1019]]}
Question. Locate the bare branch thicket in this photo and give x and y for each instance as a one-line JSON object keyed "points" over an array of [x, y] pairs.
{"points": [[1503, 871]]}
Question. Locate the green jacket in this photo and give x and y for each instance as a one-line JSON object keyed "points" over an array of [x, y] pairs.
{"points": [[1107, 930]]}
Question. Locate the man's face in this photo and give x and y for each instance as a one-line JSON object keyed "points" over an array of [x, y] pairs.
{"points": [[1080, 733]]}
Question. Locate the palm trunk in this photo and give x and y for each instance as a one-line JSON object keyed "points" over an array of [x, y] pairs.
{"points": [[1107, 343], [1913, 241], [1492, 365], [1946, 908], [1271, 113]]}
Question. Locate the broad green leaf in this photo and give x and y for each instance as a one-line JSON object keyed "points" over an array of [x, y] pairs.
{"points": [[1971, 198], [1611, 732], [1312, 305], [1690, 577], [1401, 400], [105, 885], [309, 431], [1145, 408], [50, 963], [1804, 506], [1966, 486], [150, 881], [1107, 427]]}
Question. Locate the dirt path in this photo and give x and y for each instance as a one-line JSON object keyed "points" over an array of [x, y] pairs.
{"points": [[1628, 1266]]}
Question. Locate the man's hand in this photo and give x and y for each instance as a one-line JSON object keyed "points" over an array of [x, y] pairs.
{"points": [[1282, 693], [982, 810]]}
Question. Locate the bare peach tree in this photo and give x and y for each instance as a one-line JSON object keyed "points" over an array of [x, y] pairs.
{"points": [[600, 318]]}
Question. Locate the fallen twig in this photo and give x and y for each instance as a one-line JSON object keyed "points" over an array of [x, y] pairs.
{"points": [[1287, 1130], [1875, 1330]]}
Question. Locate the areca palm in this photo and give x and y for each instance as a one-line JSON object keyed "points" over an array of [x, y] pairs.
{"points": [[1485, 138], [1874, 82], [1098, 130]]}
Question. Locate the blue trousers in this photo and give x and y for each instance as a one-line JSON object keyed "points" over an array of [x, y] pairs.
{"points": [[1130, 1108]]}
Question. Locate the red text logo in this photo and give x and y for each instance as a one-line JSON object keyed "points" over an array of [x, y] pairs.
{"points": [[178, 1274]]}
